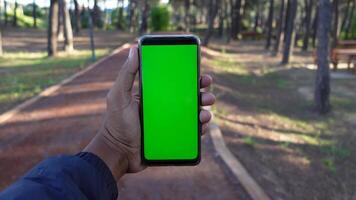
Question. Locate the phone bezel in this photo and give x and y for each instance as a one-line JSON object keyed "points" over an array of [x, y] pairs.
{"points": [[169, 40]]}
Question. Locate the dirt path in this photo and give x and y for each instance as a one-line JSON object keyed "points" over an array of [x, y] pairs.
{"points": [[64, 123]]}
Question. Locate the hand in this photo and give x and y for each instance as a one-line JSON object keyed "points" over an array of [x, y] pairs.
{"points": [[121, 129]]}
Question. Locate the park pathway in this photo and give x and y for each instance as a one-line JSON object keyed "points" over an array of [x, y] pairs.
{"points": [[65, 121]]}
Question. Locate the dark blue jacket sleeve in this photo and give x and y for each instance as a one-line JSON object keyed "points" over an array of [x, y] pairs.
{"points": [[83, 176]]}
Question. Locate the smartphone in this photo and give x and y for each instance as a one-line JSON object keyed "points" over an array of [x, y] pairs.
{"points": [[169, 109]]}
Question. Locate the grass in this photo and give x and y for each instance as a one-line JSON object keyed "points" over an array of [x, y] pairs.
{"points": [[23, 75], [26, 21]]}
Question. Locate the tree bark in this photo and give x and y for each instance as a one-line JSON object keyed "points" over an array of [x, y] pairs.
{"points": [[68, 32], [91, 34], [144, 16], [77, 24], [315, 25], [280, 28], [187, 15], [52, 28], [346, 15], [257, 16], [6, 19], [309, 9], [1, 51], [335, 27], [34, 14], [14, 21], [290, 33], [236, 18], [120, 14], [322, 82], [212, 12], [132, 7], [270, 24]]}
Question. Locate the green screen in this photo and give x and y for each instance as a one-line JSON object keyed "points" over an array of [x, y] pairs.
{"points": [[170, 101]]}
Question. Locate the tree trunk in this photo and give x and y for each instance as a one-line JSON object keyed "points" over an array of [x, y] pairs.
{"points": [[144, 16], [270, 23], [335, 27], [68, 32], [34, 14], [120, 14], [290, 33], [257, 16], [52, 28], [280, 28], [315, 25], [346, 15], [221, 19], [6, 19], [77, 24], [60, 30], [309, 9], [236, 18], [187, 15], [132, 6], [91, 34], [322, 82], [1, 51], [212, 12], [14, 22]]}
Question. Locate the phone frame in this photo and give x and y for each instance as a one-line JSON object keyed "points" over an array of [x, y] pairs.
{"points": [[169, 40]]}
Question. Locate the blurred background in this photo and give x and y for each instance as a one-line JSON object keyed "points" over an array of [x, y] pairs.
{"points": [[284, 77]]}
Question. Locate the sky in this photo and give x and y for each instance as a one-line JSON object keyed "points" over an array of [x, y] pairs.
{"points": [[109, 3]]}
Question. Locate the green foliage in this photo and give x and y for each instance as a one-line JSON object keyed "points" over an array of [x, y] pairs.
{"points": [[28, 9], [118, 19], [160, 17], [25, 20]]}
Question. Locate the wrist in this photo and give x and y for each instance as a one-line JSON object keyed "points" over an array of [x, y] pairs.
{"points": [[114, 158]]}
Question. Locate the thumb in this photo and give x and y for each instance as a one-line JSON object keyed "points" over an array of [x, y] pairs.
{"points": [[124, 82]]}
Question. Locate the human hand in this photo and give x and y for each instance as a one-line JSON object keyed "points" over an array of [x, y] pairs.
{"points": [[121, 129]]}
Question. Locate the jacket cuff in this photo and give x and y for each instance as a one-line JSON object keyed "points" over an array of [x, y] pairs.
{"points": [[102, 169]]}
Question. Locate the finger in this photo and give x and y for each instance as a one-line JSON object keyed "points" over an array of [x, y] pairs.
{"points": [[204, 116], [124, 82], [204, 128], [207, 98], [205, 81]]}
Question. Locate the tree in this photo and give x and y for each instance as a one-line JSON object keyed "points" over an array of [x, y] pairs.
{"points": [[289, 32], [1, 51], [14, 21], [236, 9], [322, 82], [187, 15], [144, 16], [6, 20], [212, 12], [308, 14], [132, 8], [335, 27], [34, 13], [280, 28], [270, 23], [52, 28], [68, 32], [77, 24], [315, 24]]}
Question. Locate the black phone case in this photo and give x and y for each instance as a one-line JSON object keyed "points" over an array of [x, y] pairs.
{"points": [[175, 40]]}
